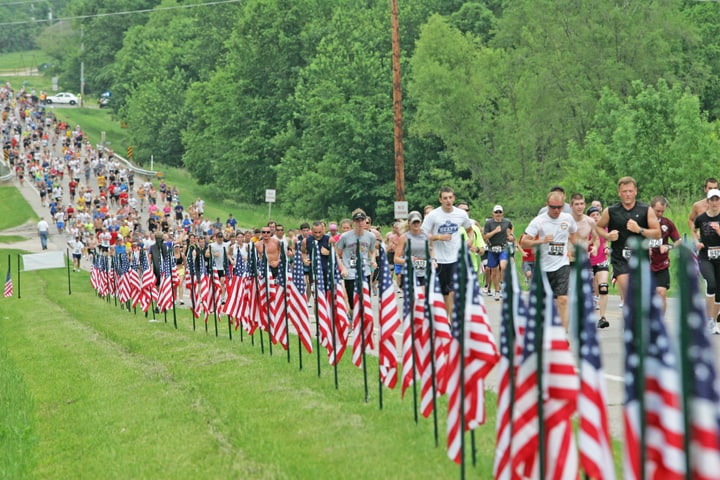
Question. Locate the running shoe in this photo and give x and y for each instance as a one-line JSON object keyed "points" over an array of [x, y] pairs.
{"points": [[711, 326], [497, 296], [716, 330], [603, 323], [621, 304]]}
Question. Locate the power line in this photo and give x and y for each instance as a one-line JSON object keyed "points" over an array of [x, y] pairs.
{"points": [[111, 14]]}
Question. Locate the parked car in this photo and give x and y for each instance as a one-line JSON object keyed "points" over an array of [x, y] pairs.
{"points": [[63, 97]]}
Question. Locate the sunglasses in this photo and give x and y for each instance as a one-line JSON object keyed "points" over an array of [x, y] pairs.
{"points": [[497, 211], [265, 231], [555, 207]]}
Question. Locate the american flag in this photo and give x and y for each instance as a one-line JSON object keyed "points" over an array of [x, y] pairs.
{"points": [[660, 384], [8, 292], [702, 398], [514, 315], [389, 321], [165, 294], [594, 441], [277, 306], [297, 304], [409, 369], [472, 347], [134, 280], [362, 316], [123, 267], [441, 331], [235, 283], [148, 283], [560, 386], [323, 307], [340, 312], [525, 419]]}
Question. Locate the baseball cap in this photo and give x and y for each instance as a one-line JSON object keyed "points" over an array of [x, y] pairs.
{"points": [[497, 208], [414, 216], [713, 192], [359, 216], [333, 226], [592, 210]]}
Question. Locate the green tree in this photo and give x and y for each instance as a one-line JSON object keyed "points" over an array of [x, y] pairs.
{"points": [[658, 135]]}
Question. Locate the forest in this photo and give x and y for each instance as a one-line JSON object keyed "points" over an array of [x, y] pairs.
{"points": [[501, 99]]}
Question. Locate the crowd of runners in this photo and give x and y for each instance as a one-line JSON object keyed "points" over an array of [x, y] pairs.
{"points": [[95, 201]]}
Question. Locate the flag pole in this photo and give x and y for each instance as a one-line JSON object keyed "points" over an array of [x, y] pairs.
{"points": [[67, 256], [193, 306], [459, 314], [428, 310], [313, 270], [333, 311], [510, 301], [212, 286], [410, 279], [639, 338], [257, 290], [359, 278], [284, 263], [18, 271], [540, 299], [684, 257], [266, 271], [383, 261], [576, 321]]}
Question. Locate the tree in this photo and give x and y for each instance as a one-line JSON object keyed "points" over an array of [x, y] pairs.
{"points": [[659, 136]]}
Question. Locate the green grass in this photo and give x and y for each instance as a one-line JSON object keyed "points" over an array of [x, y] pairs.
{"points": [[11, 238], [20, 211], [117, 397], [93, 122], [27, 59]]}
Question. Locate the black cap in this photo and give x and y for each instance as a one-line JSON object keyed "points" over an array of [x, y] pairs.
{"points": [[359, 216]]}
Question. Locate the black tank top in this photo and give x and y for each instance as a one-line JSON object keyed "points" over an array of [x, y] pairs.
{"points": [[619, 217]]}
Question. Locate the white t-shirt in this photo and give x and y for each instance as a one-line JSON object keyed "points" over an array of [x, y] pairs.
{"points": [[554, 254], [440, 222]]}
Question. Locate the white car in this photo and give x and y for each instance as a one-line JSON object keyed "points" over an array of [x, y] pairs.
{"points": [[63, 97]]}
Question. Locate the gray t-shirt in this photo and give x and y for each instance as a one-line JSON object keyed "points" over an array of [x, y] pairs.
{"points": [[440, 222], [417, 252], [347, 244]]}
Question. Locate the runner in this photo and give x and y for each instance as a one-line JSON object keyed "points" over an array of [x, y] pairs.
{"points": [[659, 248], [707, 241]]}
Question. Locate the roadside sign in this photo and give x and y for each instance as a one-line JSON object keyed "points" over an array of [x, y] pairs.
{"points": [[270, 196], [401, 209]]}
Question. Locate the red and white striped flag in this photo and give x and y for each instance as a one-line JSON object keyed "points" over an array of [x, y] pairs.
{"points": [[389, 321], [441, 332], [165, 294], [297, 305], [473, 340], [362, 319], [703, 398], [8, 291], [595, 446], [277, 310], [514, 315], [339, 312], [664, 434]]}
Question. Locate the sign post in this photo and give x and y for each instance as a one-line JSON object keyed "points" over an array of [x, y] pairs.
{"points": [[270, 199], [401, 209]]}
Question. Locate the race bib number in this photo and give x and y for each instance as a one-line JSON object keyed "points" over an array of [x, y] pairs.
{"points": [[655, 243], [626, 253], [419, 264], [713, 253], [353, 262], [496, 249], [556, 249], [604, 264]]}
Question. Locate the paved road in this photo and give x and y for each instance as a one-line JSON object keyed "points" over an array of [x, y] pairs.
{"points": [[610, 338]]}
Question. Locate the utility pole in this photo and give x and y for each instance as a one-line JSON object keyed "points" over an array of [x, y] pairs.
{"points": [[397, 104], [82, 66]]}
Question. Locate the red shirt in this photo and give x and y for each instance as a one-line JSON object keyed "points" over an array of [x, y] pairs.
{"points": [[661, 261]]}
